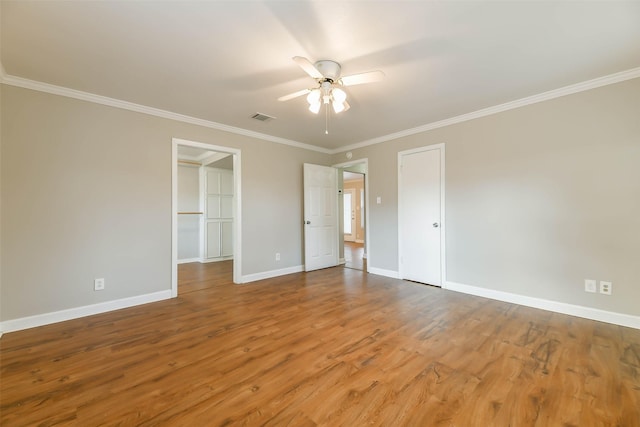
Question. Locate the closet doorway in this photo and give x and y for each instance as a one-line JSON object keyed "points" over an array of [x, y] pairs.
{"points": [[205, 206]]}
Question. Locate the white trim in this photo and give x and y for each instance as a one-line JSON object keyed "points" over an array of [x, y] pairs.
{"points": [[125, 105], [189, 260], [78, 312], [443, 225], [103, 100], [621, 319], [342, 261], [367, 223], [534, 99], [237, 208], [218, 259], [383, 272], [272, 273]]}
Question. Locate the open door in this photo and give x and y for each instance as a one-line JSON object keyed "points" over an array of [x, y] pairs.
{"points": [[320, 217]]}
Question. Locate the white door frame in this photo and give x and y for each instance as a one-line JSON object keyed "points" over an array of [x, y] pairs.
{"points": [[367, 224], [443, 252], [237, 206]]}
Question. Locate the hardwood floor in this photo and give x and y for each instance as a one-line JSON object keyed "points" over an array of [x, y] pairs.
{"points": [[354, 256], [335, 347]]}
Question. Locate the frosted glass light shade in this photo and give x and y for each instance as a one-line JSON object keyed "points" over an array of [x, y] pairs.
{"points": [[315, 107], [339, 95], [313, 97]]}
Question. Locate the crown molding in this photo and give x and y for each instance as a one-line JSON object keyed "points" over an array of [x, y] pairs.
{"points": [[545, 96], [112, 102], [125, 105]]}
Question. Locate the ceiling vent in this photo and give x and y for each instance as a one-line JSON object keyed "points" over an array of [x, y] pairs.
{"points": [[262, 117]]}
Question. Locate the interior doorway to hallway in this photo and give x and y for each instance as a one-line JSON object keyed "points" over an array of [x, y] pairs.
{"points": [[354, 230], [353, 203]]}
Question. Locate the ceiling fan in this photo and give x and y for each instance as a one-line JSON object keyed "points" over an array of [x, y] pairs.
{"points": [[329, 90]]}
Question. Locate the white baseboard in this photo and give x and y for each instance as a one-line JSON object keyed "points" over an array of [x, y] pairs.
{"points": [[272, 273], [382, 272], [189, 260], [206, 260], [555, 306], [75, 313], [342, 261]]}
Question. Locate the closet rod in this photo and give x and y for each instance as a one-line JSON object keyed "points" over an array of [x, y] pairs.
{"points": [[190, 213], [189, 162]]}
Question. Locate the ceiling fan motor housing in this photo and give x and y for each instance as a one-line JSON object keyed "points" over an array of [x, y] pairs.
{"points": [[329, 69]]}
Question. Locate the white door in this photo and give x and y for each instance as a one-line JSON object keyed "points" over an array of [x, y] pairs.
{"points": [[320, 217], [218, 209], [349, 221], [420, 215]]}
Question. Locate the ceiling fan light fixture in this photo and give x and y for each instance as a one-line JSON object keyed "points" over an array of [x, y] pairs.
{"points": [[329, 91]]}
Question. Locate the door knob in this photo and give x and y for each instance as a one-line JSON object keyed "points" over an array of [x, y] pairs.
{"points": [[307, 222], [435, 225]]}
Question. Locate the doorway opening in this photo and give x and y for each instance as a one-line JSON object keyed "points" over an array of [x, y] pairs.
{"points": [[354, 230], [353, 219], [205, 215]]}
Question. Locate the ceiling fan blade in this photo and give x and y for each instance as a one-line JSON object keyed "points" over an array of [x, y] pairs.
{"points": [[308, 67], [346, 106], [358, 79], [294, 95]]}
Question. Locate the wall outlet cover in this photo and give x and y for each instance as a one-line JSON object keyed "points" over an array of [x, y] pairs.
{"points": [[606, 287], [590, 286]]}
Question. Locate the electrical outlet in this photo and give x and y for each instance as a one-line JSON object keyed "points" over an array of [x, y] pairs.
{"points": [[98, 284], [277, 256], [606, 287], [590, 285]]}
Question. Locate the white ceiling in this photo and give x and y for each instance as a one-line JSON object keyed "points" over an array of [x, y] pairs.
{"points": [[223, 61]]}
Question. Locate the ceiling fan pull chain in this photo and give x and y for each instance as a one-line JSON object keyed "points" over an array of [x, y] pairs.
{"points": [[326, 119]]}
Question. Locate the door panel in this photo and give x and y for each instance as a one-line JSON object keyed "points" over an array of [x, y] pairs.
{"points": [[320, 216], [226, 229], [420, 221], [213, 240]]}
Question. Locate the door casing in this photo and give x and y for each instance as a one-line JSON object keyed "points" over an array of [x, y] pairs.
{"points": [[237, 206]]}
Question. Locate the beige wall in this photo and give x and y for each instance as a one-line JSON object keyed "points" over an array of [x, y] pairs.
{"points": [[537, 199], [86, 193]]}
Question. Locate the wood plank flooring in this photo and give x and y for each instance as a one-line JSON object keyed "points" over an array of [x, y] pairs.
{"points": [[335, 347], [354, 256]]}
